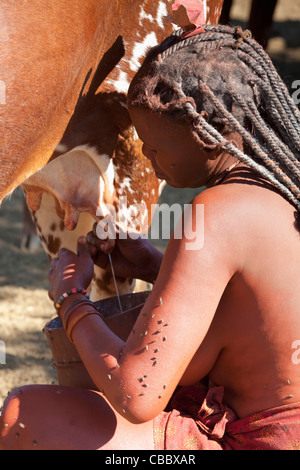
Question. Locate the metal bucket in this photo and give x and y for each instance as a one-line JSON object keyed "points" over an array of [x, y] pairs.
{"points": [[71, 371]]}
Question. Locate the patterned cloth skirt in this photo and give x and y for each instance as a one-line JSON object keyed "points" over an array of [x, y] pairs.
{"points": [[199, 420]]}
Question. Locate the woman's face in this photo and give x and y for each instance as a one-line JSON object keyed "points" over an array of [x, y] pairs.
{"points": [[173, 150]]}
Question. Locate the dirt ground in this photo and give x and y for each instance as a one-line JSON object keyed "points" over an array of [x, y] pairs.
{"points": [[24, 303]]}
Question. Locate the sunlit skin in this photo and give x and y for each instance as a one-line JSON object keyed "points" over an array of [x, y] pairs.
{"points": [[229, 310]]}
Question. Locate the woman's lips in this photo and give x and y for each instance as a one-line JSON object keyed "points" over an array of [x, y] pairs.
{"points": [[160, 176]]}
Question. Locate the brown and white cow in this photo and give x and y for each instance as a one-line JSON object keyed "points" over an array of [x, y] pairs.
{"points": [[100, 164], [60, 62], [49, 52]]}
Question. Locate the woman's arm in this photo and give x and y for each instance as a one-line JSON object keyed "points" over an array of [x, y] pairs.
{"points": [[138, 377]]}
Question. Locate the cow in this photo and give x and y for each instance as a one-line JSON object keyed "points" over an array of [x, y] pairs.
{"points": [[97, 165], [67, 135], [48, 56]]}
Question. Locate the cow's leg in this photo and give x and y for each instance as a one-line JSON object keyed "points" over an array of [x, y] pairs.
{"points": [[261, 19], [30, 239], [225, 15], [47, 417]]}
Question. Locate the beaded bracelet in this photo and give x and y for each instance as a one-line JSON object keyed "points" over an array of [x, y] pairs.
{"points": [[64, 296]]}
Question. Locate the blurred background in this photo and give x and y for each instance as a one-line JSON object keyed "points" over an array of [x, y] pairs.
{"points": [[24, 303]]}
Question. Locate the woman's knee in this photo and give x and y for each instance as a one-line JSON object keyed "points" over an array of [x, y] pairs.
{"points": [[11, 426], [74, 418], [21, 420]]}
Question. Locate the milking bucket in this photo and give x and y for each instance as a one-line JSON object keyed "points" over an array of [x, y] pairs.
{"points": [[71, 371]]}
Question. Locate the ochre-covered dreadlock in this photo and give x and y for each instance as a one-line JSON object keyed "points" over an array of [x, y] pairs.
{"points": [[221, 81]]}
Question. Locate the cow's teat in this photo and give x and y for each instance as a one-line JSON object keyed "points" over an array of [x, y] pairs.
{"points": [[64, 179]]}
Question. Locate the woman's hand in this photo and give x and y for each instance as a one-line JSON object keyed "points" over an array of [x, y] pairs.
{"points": [[132, 258], [69, 270]]}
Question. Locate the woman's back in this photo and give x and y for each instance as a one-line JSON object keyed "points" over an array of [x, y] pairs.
{"points": [[258, 319]]}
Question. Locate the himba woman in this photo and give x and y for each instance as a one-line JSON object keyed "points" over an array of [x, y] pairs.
{"points": [[211, 111]]}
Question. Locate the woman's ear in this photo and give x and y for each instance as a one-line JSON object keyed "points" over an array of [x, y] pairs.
{"points": [[212, 151], [202, 145], [235, 139]]}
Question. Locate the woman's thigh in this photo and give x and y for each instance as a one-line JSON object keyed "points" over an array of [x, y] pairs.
{"points": [[54, 417]]}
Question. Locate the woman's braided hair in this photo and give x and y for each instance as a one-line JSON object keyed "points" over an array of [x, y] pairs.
{"points": [[222, 81]]}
